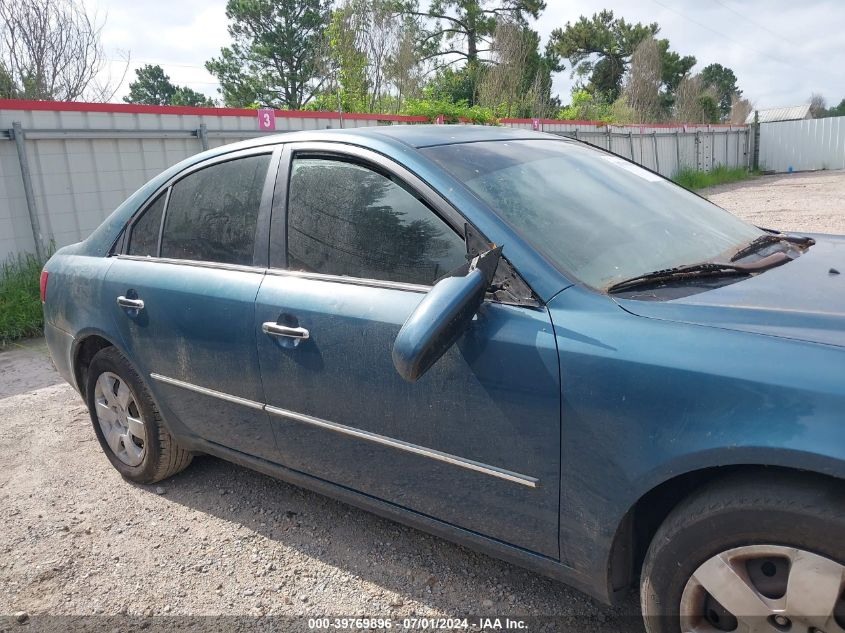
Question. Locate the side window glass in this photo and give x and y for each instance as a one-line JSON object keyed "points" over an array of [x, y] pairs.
{"points": [[212, 213], [345, 219], [143, 240]]}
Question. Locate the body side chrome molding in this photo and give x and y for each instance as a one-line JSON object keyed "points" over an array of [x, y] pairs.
{"points": [[193, 262], [355, 281], [493, 471], [470, 464], [252, 404]]}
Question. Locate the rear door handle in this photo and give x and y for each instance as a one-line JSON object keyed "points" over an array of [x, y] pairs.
{"points": [[274, 329], [130, 304]]}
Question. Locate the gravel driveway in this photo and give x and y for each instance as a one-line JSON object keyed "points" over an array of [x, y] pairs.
{"points": [[809, 201], [77, 540]]}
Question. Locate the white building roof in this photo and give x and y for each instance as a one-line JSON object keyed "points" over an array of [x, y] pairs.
{"points": [[793, 113]]}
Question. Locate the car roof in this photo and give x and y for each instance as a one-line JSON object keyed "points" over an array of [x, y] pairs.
{"points": [[415, 136], [428, 135]]}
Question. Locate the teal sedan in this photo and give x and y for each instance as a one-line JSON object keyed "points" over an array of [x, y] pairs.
{"points": [[512, 340]]}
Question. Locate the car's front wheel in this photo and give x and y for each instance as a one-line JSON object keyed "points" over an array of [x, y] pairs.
{"points": [[127, 423], [761, 553]]}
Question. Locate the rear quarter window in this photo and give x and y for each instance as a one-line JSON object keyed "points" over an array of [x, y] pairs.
{"points": [[143, 240]]}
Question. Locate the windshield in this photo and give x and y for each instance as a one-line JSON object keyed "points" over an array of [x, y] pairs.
{"points": [[595, 216]]}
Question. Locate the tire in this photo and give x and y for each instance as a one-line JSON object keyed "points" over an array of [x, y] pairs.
{"points": [[767, 527], [143, 454]]}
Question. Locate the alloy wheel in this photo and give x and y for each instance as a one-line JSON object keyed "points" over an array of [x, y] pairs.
{"points": [[120, 419], [768, 588]]}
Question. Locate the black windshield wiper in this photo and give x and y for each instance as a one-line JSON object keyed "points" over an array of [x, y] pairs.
{"points": [[770, 238], [697, 271]]}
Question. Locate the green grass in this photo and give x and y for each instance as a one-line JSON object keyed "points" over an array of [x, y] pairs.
{"points": [[693, 179], [20, 302]]}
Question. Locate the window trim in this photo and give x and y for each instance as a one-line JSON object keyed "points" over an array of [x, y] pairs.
{"points": [[262, 220], [369, 159]]}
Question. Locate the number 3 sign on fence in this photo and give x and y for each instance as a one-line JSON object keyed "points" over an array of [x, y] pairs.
{"points": [[266, 119]]}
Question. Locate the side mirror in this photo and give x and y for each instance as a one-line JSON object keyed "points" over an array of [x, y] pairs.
{"points": [[442, 316]]}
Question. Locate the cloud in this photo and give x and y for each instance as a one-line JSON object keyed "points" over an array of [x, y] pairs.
{"points": [[179, 36]]}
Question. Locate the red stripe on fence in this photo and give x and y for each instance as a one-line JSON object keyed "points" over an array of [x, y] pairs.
{"points": [[133, 108], [604, 124]]}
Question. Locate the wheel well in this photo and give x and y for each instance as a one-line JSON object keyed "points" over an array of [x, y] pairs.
{"points": [[640, 524], [85, 352]]}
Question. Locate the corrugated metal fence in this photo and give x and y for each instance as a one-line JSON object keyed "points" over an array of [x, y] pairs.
{"points": [[803, 145], [667, 148], [65, 166]]}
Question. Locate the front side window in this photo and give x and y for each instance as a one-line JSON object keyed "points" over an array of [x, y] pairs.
{"points": [[594, 215], [346, 219], [144, 238], [212, 213]]}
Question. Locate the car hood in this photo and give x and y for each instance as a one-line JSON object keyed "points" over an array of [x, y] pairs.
{"points": [[801, 300]]}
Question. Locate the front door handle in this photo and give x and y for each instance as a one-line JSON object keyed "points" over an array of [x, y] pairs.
{"points": [[130, 304], [274, 329]]}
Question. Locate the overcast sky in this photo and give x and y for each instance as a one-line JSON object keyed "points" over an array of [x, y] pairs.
{"points": [[780, 50]]}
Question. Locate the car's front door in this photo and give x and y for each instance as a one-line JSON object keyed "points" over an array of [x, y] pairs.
{"points": [[476, 441], [184, 299]]}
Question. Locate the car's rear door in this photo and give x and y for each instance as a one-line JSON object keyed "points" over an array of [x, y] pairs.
{"points": [[183, 297], [476, 441]]}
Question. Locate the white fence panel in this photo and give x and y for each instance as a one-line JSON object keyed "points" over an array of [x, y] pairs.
{"points": [[665, 149], [804, 145]]}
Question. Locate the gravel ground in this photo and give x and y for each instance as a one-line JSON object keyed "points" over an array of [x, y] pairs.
{"points": [[220, 540], [809, 201]]}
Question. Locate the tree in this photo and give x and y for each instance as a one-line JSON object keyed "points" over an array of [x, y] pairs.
{"points": [[277, 53], [723, 82], [8, 90], [449, 84], [600, 49], [642, 87], [50, 50], [517, 82], [346, 60], [372, 56], [153, 87], [740, 109], [185, 96], [673, 68], [818, 106], [695, 102], [474, 22], [462, 30], [838, 110], [404, 70]]}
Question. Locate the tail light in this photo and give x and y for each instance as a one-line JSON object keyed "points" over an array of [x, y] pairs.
{"points": [[43, 285]]}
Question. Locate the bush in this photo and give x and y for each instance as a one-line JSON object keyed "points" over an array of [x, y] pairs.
{"points": [[20, 302], [586, 106], [452, 112]]}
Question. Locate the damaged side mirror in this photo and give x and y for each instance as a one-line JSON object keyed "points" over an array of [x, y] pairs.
{"points": [[442, 316]]}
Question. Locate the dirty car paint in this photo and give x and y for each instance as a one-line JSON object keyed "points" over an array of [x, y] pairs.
{"points": [[593, 400]]}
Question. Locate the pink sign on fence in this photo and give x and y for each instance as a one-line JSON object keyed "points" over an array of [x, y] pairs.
{"points": [[266, 119], [535, 125], [440, 120]]}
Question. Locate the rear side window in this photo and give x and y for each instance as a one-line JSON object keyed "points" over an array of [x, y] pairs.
{"points": [[143, 240], [212, 213], [346, 219]]}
